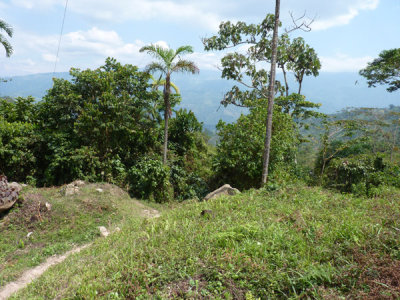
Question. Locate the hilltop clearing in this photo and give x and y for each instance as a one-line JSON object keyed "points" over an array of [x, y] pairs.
{"points": [[290, 243]]}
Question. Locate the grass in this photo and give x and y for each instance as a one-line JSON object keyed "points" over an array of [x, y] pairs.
{"points": [[72, 221], [291, 243]]}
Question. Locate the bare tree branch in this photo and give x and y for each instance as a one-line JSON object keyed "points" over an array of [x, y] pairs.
{"points": [[302, 23]]}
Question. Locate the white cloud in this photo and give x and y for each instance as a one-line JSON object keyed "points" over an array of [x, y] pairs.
{"points": [[343, 17], [344, 63], [206, 61], [84, 49]]}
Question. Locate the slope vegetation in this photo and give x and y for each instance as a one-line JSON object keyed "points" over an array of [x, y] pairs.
{"points": [[291, 243]]}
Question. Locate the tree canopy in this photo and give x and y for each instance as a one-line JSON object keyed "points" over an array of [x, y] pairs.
{"points": [[384, 70]]}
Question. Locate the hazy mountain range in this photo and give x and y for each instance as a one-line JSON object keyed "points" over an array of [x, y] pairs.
{"points": [[202, 93]]}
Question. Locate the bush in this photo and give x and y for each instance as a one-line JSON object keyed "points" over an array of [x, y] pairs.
{"points": [[360, 174], [239, 156], [150, 179], [187, 185]]}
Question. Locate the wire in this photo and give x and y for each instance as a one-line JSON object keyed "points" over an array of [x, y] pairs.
{"points": [[59, 40]]}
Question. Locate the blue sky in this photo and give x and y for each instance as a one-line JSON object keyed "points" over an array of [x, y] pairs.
{"points": [[346, 33]]}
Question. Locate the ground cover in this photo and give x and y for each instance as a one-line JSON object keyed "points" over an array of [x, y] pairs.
{"points": [[291, 243], [32, 232]]}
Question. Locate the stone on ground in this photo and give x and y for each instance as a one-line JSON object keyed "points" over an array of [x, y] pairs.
{"points": [[223, 190]]}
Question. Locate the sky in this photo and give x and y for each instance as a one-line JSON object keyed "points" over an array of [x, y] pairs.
{"points": [[346, 34]]}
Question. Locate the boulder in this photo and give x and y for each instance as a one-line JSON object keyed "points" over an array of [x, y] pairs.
{"points": [[9, 193], [16, 186], [226, 189]]}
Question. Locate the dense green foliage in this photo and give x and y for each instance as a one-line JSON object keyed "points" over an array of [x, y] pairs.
{"points": [[101, 126], [238, 159], [358, 151]]}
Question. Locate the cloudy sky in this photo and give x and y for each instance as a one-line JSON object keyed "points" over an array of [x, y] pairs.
{"points": [[346, 33]]}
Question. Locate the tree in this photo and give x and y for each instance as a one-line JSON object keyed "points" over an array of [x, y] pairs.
{"points": [[6, 44], [97, 124], [384, 70], [166, 64], [245, 68], [238, 160], [271, 95]]}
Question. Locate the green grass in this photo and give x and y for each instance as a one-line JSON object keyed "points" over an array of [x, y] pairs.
{"points": [[292, 243], [72, 221]]}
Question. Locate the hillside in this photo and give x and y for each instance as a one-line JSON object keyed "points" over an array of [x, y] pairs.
{"points": [[202, 93], [47, 222], [296, 242]]}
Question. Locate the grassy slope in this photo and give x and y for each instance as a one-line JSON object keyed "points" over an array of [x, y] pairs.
{"points": [[73, 220], [289, 243]]}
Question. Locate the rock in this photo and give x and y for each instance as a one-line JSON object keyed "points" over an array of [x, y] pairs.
{"points": [[103, 231], [48, 206], [223, 190], [71, 190], [78, 183], [99, 190], [16, 186], [9, 193]]}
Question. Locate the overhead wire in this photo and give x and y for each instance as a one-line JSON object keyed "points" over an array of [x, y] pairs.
{"points": [[61, 33]]}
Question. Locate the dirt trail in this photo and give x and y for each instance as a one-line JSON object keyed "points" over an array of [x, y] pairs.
{"points": [[30, 275]]}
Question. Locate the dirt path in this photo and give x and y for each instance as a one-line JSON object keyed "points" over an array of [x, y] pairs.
{"points": [[31, 274]]}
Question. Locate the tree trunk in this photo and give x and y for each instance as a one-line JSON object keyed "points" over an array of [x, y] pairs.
{"points": [[300, 82], [271, 94], [167, 92], [286, 83]]}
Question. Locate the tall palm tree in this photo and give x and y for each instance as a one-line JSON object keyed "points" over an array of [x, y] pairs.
{"points": [[168, 62], [8, 29]]}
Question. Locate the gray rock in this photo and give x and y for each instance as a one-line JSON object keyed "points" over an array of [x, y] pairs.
{"points": [[78, 183], [99, 190], [223, 190], [9, 193], [103, 231], [16, 186], [71, 188], [48, 206]]}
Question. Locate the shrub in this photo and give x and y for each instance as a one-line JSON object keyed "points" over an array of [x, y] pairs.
{"points": [[359, 174], [150, 179], [239, 156]]}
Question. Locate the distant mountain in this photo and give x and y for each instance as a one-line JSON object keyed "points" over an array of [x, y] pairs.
{"points": [[202, 93]]}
